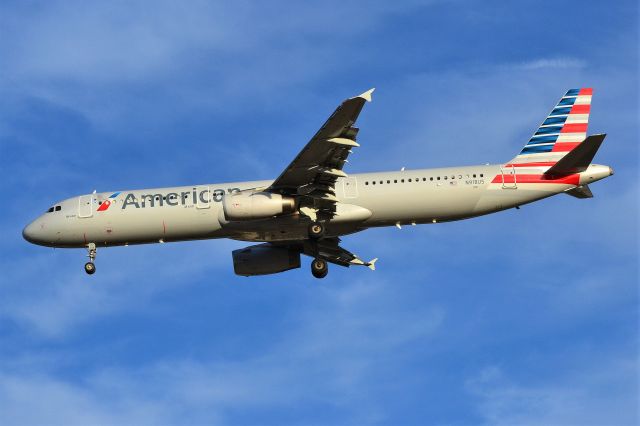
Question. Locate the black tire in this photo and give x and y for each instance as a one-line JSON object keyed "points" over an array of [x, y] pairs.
{"points": [[90, 268], [319, 268], [316, 230]]}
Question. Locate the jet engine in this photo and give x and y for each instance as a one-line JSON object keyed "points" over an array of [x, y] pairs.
{"points": [[263, 259], [256, 205]]}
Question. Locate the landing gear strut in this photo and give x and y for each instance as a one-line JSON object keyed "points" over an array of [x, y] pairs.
{"points": [[316, 230], [319, 268], [90, 267]]}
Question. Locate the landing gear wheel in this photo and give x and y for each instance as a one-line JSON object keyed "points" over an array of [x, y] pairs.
{"points": [[319, 268], [90, 267], [316, 230]]}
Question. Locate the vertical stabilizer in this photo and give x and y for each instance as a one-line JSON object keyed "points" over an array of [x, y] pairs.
{"points": [[563, 130]]}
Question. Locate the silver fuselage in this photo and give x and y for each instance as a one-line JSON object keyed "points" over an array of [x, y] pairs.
{"points": [[365, 200]]}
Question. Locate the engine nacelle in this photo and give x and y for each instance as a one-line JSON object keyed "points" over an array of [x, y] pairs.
{"points": [[255, 205], [263, 259]]}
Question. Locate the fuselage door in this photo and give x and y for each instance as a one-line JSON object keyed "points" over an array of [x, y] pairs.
{"points": [[509, 178], [85, 205], [204, 197], [350, 187]]}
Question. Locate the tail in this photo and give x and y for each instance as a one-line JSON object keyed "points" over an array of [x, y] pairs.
{"points": [[563, 130]]}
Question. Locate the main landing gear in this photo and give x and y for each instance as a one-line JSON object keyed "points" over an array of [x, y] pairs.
{"points": [[90, 267], [316, 230], [319, 268]]}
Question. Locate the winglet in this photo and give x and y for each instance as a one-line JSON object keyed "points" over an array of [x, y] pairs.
{"points": [[372, 264], [366, 95]]}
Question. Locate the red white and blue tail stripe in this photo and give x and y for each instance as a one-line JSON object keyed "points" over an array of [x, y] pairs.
{"points": [[562, 131]]}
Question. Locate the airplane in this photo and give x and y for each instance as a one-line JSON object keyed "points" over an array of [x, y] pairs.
{"points": [[314, 202]]}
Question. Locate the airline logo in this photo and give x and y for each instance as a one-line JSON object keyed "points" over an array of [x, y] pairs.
{"points": [[107, 203], [565, 127]]}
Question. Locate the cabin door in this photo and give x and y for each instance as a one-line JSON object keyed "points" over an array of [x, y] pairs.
{"points": [[509, 179], [350, 187], [85, 205]]}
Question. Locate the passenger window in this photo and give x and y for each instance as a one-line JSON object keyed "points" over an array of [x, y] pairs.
{"points": [[474, 175], [481, 175], [374, 182], [401, 180], [388, 181], [409, 180], [438, 177], [395, 181], [424, 179], [431, 178], [381, 182], [366, 183], [445, 178]]}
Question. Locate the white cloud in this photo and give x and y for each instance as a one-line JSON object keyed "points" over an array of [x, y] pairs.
{"points": [[338, 340], [36, 400], [554, 63], [56, 306], [598, 394]]}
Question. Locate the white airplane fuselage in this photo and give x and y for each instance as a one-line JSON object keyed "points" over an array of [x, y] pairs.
{"points": [[364, 201]]}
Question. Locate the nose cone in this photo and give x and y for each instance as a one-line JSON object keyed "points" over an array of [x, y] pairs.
{"points": [[611, 172], [30, 232], [37, 233]]}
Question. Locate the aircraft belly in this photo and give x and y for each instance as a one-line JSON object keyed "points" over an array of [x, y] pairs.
{"points": [[421, 206], [287, 228], [496, 198], [155, 224]]}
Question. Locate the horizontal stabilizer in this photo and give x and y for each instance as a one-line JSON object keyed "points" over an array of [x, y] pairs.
{"points": [[582, 191], [578, 159]]}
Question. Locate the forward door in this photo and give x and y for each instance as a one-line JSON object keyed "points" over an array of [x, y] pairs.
{"points": [[85, 205]]}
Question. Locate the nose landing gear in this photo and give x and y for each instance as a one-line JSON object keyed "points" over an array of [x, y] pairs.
{"points": [[90, 267]]}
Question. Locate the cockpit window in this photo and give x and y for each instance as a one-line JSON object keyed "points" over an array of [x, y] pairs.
{"points": [[50, 210], [58, 208]]}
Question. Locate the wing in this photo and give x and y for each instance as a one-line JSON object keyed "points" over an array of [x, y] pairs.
{"points": [[313, 173], [329, 249]]}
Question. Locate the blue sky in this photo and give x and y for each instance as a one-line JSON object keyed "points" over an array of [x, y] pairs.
{"points": [[522, 317]]}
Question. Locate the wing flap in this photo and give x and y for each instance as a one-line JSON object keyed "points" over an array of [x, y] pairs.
{"points": [[330, 250]]}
